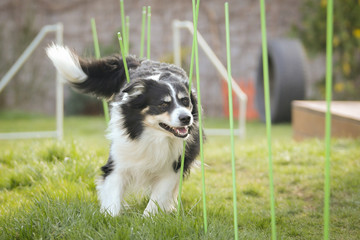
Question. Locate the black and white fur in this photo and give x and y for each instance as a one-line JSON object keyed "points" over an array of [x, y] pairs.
{"points": [[150, 118]]}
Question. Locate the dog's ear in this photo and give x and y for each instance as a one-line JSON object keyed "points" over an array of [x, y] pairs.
{"points": [[135, 92], [134, 88], [194, 102]]}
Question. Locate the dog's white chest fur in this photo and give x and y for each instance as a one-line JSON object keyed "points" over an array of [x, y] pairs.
{"points": [[142, 164], [152, 153]]}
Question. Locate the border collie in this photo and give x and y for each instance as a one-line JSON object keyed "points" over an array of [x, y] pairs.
{"points": [[151, 117]]}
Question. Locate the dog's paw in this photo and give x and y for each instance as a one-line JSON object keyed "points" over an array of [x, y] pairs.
{"points": [[151, 210], [111, 210], [154, 208], [148, 214]]}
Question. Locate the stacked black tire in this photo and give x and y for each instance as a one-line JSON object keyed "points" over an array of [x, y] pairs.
{"points": [[287, 78]]}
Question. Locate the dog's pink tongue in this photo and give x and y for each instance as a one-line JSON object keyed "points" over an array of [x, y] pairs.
{"points": [[182, 130]]}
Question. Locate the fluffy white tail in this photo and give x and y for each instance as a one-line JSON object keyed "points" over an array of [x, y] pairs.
{"points": [[67, 63], [99, 77]]}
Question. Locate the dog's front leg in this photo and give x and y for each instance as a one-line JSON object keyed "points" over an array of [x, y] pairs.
{"points": [[111, 192], [164, 194]]}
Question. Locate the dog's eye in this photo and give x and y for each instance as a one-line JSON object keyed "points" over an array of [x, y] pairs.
{"points": [[164, 104], [185, 101]]}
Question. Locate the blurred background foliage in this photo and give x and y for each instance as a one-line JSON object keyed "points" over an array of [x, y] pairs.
{"points": [[346, 42]]}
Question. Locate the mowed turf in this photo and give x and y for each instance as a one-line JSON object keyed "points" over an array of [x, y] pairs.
{"points": [[47, 187]]}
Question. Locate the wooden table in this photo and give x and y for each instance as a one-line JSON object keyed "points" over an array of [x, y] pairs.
{"points": [[308, 119]]}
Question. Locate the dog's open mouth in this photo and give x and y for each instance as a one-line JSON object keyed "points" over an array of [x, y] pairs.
{"points": [[181, 132]]}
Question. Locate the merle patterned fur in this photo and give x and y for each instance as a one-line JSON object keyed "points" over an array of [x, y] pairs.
{"points": [[113, 84]]}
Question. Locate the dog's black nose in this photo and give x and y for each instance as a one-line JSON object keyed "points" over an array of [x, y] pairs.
{"points": [[185, 119]]}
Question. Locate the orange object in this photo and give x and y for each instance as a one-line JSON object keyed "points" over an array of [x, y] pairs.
{"points": [[249, 89]]}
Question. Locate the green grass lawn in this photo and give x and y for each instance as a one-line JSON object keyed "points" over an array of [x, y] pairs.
{"points": [[47, 188]]}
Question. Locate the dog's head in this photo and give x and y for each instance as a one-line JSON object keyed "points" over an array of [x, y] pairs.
{"points": [[157, 98]]}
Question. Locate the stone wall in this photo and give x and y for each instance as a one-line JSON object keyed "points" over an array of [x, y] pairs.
{"points": [[76, 15]]}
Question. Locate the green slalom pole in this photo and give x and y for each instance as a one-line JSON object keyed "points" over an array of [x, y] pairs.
{"points": [[97, 55], [231, 119], [267, 115], [200, 118], [123, 25], [184, 145], [121, 43], [148, 32], [329, 44], [142, 38]]}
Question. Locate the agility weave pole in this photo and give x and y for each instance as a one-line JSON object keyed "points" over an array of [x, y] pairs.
{"points": [[329, 46], [123, 26], [97, 56], [267, 115], [124, 39], [231, 119], [123, 56], [184, 145], [200, 116], [142, 38]]}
